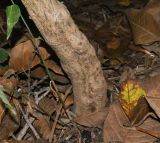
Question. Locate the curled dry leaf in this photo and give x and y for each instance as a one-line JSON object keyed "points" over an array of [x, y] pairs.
{"points": [[145, 23], [115, 131], [93, 119]]}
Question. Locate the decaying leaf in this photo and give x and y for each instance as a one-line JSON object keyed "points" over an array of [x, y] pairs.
{"points": [[115, 130], [130, 94], [145, 23]]}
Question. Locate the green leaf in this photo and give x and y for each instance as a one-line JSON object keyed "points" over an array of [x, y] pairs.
{"points": [[3, 55], [13, 13], [6, 102]]}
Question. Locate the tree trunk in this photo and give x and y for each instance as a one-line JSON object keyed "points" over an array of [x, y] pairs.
{"points": [[76, 54]]}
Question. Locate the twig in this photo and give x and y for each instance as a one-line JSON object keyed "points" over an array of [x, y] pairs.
{"points": [[28, 122], [22, 133], [45, 92], [38, 82], [58, 114]]}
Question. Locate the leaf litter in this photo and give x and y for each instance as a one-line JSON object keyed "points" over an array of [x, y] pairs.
{"points": [[125, 35]]}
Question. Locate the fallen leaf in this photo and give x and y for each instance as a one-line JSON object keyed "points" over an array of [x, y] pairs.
{"points": [[145, 23], [39, 72], [22, 56], [7, 127], [130, 94], [95, 119], [152, 88], [42, 125], [114, 129]]}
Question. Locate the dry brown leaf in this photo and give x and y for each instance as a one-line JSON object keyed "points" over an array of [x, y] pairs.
{"points": [[140, 112], [95, 119], [145, 23], [7, 127], [42, 125], [115, 131], [114, 43], [8, 85], [114, 37], [22, 56], [152, 88], [48, 105], [40, 72], [69, 101], [54, 67]]}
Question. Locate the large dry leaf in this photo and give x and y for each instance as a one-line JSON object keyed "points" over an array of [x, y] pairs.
{"points": [[22, 56], [145, 23], [93, 119], [115, 131]]}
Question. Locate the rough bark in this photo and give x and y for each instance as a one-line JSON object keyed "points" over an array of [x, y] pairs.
{"points": [[76, 54]]}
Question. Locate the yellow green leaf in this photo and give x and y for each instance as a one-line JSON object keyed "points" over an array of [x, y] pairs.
{"points": [[130, 94]]}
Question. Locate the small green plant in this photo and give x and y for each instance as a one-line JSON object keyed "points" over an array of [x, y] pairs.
{"points": [[4, 99], [13, 13]]}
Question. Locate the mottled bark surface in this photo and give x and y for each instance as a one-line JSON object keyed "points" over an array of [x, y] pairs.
{"points": [[76, 54]]}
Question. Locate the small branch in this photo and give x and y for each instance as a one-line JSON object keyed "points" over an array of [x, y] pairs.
{"points": [[28, 122], [22, 133], [58, 114]]}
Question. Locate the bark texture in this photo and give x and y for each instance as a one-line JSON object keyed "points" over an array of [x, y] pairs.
{"points": [[76, 54]]}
